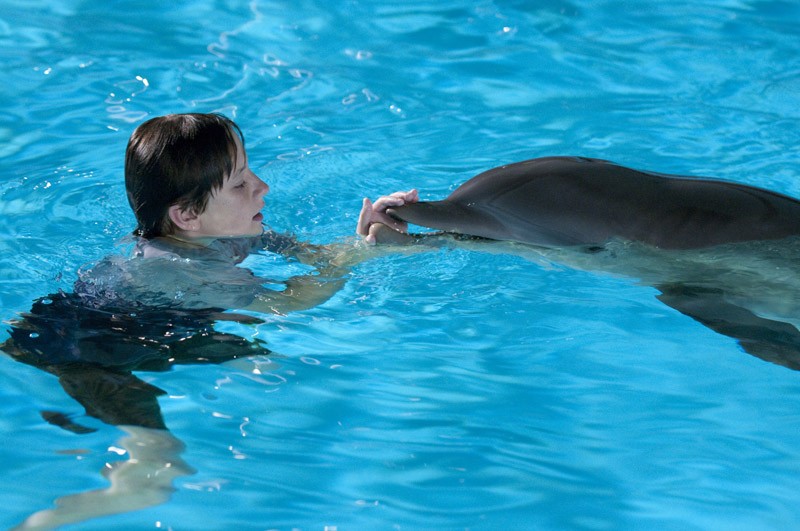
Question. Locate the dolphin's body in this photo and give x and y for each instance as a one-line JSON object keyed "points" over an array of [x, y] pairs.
{"points": [[725, 254], [563, 201]]}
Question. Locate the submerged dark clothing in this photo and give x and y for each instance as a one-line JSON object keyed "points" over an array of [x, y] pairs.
{"points": [[142, 314], [62, 330]]}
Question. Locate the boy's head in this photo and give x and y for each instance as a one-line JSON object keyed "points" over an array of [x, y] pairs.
{"points": [[178, 159]]}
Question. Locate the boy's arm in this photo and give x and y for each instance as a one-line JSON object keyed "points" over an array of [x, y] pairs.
{"points": [[302, 292], [332, 261]]}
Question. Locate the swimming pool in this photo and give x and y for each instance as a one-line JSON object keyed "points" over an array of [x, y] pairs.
{"points": [[453, 389]]}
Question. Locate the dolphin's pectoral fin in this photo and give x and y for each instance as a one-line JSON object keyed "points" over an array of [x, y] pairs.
{"points": [[116, 398], [773, 341]]}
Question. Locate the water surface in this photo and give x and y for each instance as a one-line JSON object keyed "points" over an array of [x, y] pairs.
{"points": [[453, 389]]}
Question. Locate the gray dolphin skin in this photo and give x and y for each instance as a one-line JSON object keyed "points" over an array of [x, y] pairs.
{"points": [[722, 253], [578, 201]]}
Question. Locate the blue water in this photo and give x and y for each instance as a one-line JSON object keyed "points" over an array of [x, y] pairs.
{"points": [[453, 389]]}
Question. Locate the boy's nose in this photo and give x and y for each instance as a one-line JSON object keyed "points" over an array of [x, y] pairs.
{"points": [[262, 188]]}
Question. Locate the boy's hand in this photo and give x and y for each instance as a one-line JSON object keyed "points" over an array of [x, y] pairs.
{"points": [[372, 213]]}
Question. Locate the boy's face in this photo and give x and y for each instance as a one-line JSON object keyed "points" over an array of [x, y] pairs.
{"points": [[234, 209]]}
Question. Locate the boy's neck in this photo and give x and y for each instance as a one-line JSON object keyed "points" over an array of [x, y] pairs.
{"points": [[183, 239]]}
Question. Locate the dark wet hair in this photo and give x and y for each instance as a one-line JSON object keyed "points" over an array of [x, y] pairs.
{"points": [[178, 159]]}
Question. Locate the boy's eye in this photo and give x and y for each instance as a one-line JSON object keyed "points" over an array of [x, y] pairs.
{"points": [[240, 185]]}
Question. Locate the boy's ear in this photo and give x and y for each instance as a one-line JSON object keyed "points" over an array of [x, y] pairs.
{"points": [[183, 218]]}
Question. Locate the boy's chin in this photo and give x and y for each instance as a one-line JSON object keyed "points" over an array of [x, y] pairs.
{"points": [[257, 230]]}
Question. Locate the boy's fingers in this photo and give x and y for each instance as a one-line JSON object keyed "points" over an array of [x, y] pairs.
{"points": [[364, 218]]}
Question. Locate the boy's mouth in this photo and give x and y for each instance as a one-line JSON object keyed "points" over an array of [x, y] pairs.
{"points": [[258, 217]]}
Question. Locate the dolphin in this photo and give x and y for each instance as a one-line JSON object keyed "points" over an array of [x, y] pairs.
{"points": [[708, 246], [568, 201]]}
